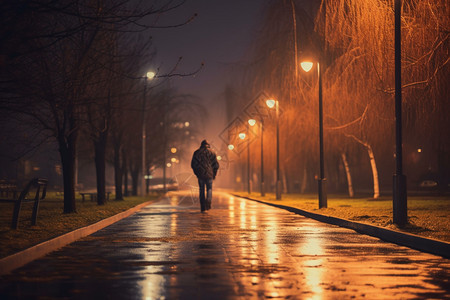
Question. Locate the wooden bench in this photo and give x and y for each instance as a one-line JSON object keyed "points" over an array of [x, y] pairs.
{"points": [[40, 185], [93, 196]]}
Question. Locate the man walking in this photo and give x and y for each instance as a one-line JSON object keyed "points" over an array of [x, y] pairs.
{"points": [[205, 166]]}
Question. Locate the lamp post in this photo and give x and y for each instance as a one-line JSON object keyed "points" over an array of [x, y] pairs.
{"points": [[249, 188], [251, 122], [148, 76], [400, 215], [307, 66], [263, 192], [242, 136], [274, 103]]}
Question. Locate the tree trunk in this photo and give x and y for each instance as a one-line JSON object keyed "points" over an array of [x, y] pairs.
{"points": [[304, 181], [118, 172], [100, 164], [125, 172], [67, 153], [134, 181], [284, 182], [351, 194], [376, 187]]}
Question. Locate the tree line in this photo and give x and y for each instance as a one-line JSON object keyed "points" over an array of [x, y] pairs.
{"points": [[354, 42], [75, 70]]}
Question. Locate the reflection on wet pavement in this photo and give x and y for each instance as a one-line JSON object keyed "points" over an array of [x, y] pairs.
{"points": [[239, 249]]}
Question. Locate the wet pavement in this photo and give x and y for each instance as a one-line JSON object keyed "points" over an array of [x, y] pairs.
{"points": [[240, 249]]}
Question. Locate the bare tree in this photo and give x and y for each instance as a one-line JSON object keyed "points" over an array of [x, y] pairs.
{"points": [[48, 65], [354, 42]]}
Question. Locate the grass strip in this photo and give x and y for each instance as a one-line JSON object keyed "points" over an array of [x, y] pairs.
{"points": [[428, 216], [52, 222]]}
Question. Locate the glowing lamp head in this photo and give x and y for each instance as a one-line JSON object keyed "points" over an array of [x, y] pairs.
{"points": [[173, 159], [219, 158], [306, 65], [168, 165], [230, 147], [151, 75], [186, 124], [173, 150], [242, 135], [270, 103], [252, 122]]}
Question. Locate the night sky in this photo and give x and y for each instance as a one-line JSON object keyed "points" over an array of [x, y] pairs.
{"points": [[219, 36]]}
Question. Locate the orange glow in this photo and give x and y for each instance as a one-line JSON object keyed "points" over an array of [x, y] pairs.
{"points": [[270, 103], [306, 65]]}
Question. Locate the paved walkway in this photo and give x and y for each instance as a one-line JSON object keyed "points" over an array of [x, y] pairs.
{"points": [[238, 250]]}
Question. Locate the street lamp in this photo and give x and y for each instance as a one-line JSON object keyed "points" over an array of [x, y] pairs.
{"points": [[307, 66], [271, 104], [149, 76]]}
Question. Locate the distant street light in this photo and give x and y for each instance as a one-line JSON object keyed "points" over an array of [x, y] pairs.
{"points": [[173, 150], [270, 103], [307, 66], [274, 103], [230, 147], [242, 135], [149, 76]]}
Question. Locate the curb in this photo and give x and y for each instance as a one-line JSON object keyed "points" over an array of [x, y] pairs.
{"points": [[14, 261], [423, 244]]}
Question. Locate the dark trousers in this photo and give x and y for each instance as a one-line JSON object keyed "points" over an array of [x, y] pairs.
{"points": [[205, 202]]}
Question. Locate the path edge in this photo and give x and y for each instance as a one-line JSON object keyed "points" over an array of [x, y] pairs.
{"points": [[413, 241], [19, 259]]}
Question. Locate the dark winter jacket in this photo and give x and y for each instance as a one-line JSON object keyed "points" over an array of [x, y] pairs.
{"points": [[204, 163]]}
